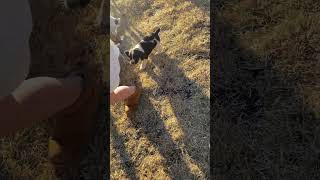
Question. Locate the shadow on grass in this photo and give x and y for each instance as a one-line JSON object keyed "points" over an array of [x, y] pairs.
{"points": [[151, 124], [262, 129], [60, 39], [94, 160], [154, 127], [202, 4], [183, 98], [125, 159], [3, 172]]}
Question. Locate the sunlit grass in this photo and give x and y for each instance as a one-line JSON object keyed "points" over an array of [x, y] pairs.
{"points": [[169, 134]]}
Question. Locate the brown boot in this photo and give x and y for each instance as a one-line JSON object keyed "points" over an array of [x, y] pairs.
{"points": [[72, 129], [132, 101]]}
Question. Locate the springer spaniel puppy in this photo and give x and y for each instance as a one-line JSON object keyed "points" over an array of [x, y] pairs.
{"points": [[143, 49]]}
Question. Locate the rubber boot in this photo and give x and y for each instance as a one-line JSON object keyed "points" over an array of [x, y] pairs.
{"points": [[72, 129], [132, 102]]}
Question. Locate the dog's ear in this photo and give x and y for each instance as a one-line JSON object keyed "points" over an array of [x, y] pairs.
{"points": [[127, 53]]}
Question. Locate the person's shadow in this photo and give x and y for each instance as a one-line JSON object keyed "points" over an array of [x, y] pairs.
{"points": [[261, 126]]}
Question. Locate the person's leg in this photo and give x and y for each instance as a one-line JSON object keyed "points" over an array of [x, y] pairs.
{"points": [[37, 99], [121, 93], [74, 127], [129, 94]]}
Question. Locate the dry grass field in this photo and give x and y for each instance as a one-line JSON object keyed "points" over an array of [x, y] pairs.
{"points": [[168, 136], [266, 90]]}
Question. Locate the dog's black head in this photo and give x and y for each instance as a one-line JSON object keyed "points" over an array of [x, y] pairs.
{"points": [[153, 36], [133, 56], [129, 55]]}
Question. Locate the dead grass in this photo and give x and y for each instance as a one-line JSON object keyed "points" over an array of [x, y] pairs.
{"points": [[58, 44], [266, 90], [168, 138]]}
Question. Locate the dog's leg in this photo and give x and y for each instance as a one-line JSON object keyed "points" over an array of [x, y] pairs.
{"points": [[143, 64], [158, 49]]}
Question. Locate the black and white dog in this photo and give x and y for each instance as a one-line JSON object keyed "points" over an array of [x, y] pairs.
{"points": [[144, 48]]}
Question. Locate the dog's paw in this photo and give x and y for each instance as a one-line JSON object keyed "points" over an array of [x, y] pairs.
{"points": [[158, 49], [143, 65]]}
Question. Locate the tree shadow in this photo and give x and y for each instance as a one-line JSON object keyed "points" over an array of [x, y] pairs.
{"points": [[184, 97], [155, 130], [261, 127]]}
